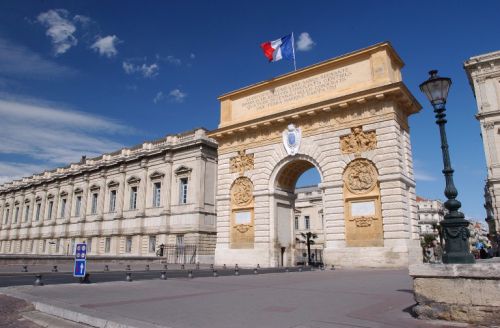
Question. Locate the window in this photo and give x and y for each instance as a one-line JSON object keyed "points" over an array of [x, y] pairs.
{"points": [[152, 244], [26, 213], [31, 246], [133, 198], [72, 245], [296, 223], [44, 245], [37, 213], [307, 222], [128, 244], [180, 241], [78, 205], [6, 216], [156, 194], [89, 245], [93, 209], [49, 212], [17, 214], [112, 201], [107, 245], [58, 244], [184, 190], [63, 207]]}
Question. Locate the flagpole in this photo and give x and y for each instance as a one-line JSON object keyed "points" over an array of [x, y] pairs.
{"points": [[293, 51]]}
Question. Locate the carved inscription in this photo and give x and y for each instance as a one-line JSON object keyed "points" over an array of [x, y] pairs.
{"points": [[294, 91], [241, 163], [358, 141]]}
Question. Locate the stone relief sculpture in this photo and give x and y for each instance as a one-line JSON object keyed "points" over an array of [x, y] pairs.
{"points": [[358, 141], [242, 192], [242, 162], [360, 176], [363, 221]]}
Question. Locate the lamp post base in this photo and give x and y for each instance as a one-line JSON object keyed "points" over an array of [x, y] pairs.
{"points": [[456, 236]]}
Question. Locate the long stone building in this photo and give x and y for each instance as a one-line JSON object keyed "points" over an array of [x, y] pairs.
{"points": [[124, 203], [231, 193], [483, 72]]}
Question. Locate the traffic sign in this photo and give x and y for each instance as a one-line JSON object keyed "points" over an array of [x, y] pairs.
{"points": [[80, 268]]}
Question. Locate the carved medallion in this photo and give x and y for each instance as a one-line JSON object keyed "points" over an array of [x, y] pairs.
{"points": [[241, 163], [360, 176], [358, 141], [291, 139], [241, 192]]}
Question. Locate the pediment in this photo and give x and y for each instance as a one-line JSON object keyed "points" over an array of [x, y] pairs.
{"points": [[183, 170], [113, 183], [133, 179], [156, 175]]}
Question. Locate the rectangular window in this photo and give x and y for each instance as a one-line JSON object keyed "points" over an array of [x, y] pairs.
{"points": [[44, 245], [93, 209], [58, 244], [296, 223], [107, 245], [184, 190], [156, 194], [17, 215], [128, 244], [112, 201], [49, 212], [152, 244], [180, 240], [37, 214], [26, 213], [6, 219], [306, 222], [63, 207], [31, 246], [78, 205], [133, 198], [89, 245]]}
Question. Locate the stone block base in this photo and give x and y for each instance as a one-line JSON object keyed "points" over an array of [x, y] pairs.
{"points": [[365, 257], [458, 292]]}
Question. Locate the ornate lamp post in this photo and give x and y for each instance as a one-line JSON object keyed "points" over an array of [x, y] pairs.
{"points": [[455, 227]]}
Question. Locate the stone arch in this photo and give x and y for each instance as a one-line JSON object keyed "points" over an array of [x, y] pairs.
{"points": [[295, 165]]}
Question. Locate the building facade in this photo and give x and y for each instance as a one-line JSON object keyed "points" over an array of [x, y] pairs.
{"points": [[125, 203], [483, 72], [430, 214]]}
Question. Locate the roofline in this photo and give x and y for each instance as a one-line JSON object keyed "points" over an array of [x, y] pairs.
{"points": [[385, 44]]}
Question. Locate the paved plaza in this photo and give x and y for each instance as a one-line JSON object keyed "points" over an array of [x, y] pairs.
{"points": [[319, 299]]}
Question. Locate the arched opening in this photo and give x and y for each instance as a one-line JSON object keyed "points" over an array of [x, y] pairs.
{"points": [[299, 214]]}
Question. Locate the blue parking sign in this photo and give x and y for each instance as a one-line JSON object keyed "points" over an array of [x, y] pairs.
{"points": [[81, 251], [80, 268]]}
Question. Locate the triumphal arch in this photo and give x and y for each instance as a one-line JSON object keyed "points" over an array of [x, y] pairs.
{"points": [[348, 118]]}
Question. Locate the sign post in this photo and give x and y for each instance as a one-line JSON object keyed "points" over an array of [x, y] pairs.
{"points": [[80, 266]]}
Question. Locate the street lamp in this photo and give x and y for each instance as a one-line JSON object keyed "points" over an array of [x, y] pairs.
{"points": [[454, 226]]}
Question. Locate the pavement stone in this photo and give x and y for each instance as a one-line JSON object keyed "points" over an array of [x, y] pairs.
{"points": [[318, 299]]}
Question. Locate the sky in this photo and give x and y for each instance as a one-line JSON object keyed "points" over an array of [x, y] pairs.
{"points": [[89, 77]]}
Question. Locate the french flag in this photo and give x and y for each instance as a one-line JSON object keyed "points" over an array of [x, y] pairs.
{"points": [[279, 49]]}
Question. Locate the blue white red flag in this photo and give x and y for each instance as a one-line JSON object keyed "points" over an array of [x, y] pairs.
{"points": [[279, 49]]}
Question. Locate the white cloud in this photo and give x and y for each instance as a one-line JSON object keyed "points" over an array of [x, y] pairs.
{"points": [[192, 56], [177, 95], [148, 71], [44, 134], [20, 62], [15, 170], [59, 29], [423, 176], [159, 97], [106, 46], [305, 43], [84, 20]]}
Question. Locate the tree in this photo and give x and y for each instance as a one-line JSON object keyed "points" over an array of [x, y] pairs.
{"points": [[308, 240]]}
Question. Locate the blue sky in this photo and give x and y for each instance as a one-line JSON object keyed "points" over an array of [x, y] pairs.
{"points": [[86, 77]]}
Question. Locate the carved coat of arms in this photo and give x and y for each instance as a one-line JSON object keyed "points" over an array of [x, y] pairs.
{"points": [[291, 139]]}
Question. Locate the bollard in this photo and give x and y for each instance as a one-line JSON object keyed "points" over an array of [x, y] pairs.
{"points": [[286, 270], [165, 267], [224, 267], [236, 271], [147, 267], [182, 266], [54, 268], [38, 280], [25, 268], [198, 266], [211, 266], [163, 275], [255, 271], [215, 273], [236, 267], [85, 279], [322, 267], [333, 267], [106, 267], [128, 276], [300, 269], [128, 267], [190, 274], [258, 266]]}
